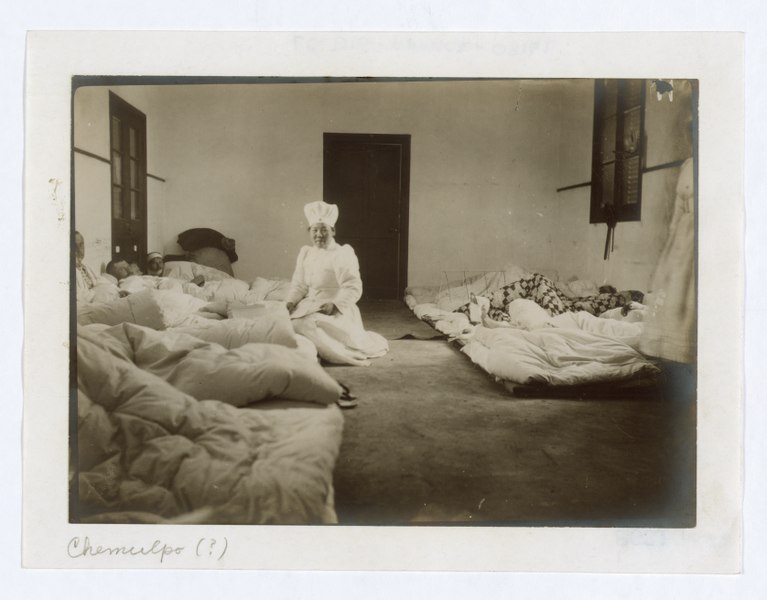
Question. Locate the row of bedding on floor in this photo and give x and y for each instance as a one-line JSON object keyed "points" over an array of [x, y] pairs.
{"points": [[527, 329], [198, 402]]}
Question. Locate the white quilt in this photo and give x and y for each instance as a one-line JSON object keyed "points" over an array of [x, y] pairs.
{"points": [[205, 370], [160, 434], [622, 331], [554, 355]]}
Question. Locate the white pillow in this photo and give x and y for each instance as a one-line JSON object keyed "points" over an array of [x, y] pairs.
{"points": [[240, 376], [636, 314], [251, 373], [186, 271], [105, 291], [141, 308], [272, 328], [156, 309], [177, 308], [270, 289], [526, 314], [306, 348]]}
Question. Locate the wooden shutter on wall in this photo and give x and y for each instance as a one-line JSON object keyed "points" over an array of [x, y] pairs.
{"points": [[618, 150]]}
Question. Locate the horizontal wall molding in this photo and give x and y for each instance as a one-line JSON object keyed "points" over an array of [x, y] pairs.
{"points": [[669, 165], [107, 161], [92, 155], [572, 187]]}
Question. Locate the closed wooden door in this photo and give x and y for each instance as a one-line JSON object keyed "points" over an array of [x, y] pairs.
{"points": [[129, 197], [368, 177]]}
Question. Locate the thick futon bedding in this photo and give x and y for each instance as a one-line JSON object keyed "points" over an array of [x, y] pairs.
{"points": [[173, 428], [178, 280], [542, 339], [555, 356]]}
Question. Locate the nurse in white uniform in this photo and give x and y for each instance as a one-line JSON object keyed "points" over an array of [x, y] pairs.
{"points": [[325, 288]]}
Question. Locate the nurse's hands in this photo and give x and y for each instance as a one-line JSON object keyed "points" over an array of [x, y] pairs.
{"points": [[328, 308]]}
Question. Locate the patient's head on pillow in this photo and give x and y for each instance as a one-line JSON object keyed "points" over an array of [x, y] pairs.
{"points": [[632, 296], [154, 263], [119, 269]]}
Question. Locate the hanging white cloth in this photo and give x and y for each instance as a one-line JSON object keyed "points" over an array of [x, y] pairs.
{"points": [[670, 327]]}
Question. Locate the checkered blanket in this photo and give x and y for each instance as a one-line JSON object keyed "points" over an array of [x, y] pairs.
{"points": [[545, 293]]}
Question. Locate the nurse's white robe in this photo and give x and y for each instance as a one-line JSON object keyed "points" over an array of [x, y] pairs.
{"points": [[332, 275]]}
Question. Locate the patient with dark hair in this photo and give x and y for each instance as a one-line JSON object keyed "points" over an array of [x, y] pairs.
{"points": [[119, 269]]}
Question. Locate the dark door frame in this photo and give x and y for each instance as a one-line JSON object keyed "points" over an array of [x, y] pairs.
{"points": [[118, 106], [403, 220]]}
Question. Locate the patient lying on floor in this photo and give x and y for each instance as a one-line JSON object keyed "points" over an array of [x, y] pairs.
{"points": [[521, 313], [131, 280], [534, 302], [547, 295]]}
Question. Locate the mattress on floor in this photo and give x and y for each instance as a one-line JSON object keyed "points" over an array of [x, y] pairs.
{"points": [[555, 356], [157, 443], [574, 354]]}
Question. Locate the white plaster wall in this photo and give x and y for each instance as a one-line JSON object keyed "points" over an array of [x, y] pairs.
{"points": [[486, 160], [580, 245], [245, 159], [637, 244]]}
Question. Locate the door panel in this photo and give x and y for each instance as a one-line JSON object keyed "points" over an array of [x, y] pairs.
{"points": [[367, 176], [129, 197]]}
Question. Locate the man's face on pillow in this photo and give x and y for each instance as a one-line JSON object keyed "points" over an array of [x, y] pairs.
{"points": [[155, 264], [121, 270]]}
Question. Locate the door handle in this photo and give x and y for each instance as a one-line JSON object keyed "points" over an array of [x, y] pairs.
{"points": [[393, 230]]}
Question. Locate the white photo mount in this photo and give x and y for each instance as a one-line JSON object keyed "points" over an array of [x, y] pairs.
{"points": [[714, 59]]}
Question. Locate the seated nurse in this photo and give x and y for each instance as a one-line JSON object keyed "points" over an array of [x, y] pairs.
{"points": [[325, 288]]}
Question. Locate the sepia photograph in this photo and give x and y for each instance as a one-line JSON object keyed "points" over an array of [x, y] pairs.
{"points": [[384, 301]]}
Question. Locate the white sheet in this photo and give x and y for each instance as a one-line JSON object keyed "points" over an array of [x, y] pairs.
{"points": [[623, 331], [204, 370], [450, 323], [151, 452], [557, 356]]}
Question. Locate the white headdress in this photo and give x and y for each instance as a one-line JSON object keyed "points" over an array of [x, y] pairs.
{"points": [[321, 212]]}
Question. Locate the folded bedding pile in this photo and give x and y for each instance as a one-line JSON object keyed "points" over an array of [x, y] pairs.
{"points": [[170, 425]]}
